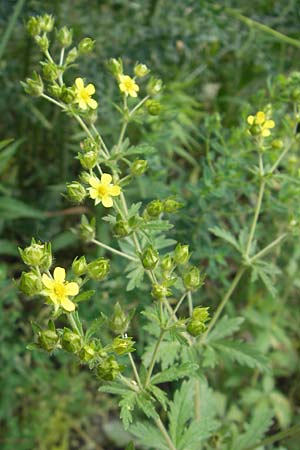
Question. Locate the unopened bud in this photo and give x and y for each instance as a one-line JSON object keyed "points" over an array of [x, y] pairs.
{"points": [[71, 342], [67, 94], [122, 346], [119, 321], [72, 56], [108, 369], [30, 284], [150, 258], [98, 269], [87, 230], [121, 228], [65, 37], [76, 192], [48, 340], [153, 107], [115, 66], [88, 160], [33, 86], [197, 323], [46, 23], [79, 266], [160, 291], [181, 254], [154, 209], [86, 45], [37, 254], [141, 70], [193, 279], [50, 71], [87, 353], [277, 144], [171, 205], [138, 167], [154, 86], [33, 26], [42, 42]]}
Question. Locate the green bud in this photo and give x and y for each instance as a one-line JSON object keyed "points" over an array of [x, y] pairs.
{"points": [[108, 369], [153, 107], [277, 144], [55, 90], [79, 266], [123, 345], [296, 94], [141, 70], [119, 322], [76, 192], [255, 130], [30, 283], [138, 167], [87, 230], [154, 86], [33, 26], [197, 323], [193, 279], [42, 42], [85, 177], [154, 209], [115, 66], [86, 45], [67, 94], [181, 254], [71, 342], [89, 145], [160, 291], [50, 71], [72, 56], [88, 160], [171, 205], [167, 263], [48, 340], [98, 269], [65, 37], [121, 228], [46, 23], [150, 258], [37, 254], [87, 353], [33, 86]]}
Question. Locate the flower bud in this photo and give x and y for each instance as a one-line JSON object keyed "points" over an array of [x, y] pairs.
{"points": [[153, 107], [86, 45], [138, 167], [33, 86], [42, 42], [108, 369], [115, 66], [33, 26], [71, 342], [154, 86], [167, 263], [119, 322], [98, 269], [160, 291], [37, 254], [121, 228], [193, 279], [46, 23], [171, 205], [79, 266], [154, 209], [88, 160], [277, 144], [55, 90], [67, 95], [150, 258], [48, 340], [181, 254], [30, 283], [50, 71], [87, 353], [72, 56], [87, 230], [84, 177], [89, 144], [196, 324], [76, 192], [65, 37], [121, 346], [141, 70]]}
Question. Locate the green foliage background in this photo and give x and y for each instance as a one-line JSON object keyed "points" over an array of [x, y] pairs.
{"points": [[216, 69]]}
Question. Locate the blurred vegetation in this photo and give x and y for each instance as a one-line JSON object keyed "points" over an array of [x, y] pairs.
{"points": [[214, 67]]}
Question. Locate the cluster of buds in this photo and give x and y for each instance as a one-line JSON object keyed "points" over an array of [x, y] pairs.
{"points": [[157, 207], [197, 323]]}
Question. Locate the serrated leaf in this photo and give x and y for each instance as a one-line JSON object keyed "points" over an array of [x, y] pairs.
{"points": [[113, 387], [174, 373], [160, 395], [127, 405], [145, 403], [94, 327], [225, 327], [84, 296], [243, 353], [226, 236], [149, 436], [135, 278], [255, 431], [197, 432], [180, 410]]}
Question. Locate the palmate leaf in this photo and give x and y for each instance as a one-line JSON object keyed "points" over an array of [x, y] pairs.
{"points": [[174, 373], [180, 410], [225, 327], [226, 236], [243, 353], [127, 405], [149, 436], [198, 431]]}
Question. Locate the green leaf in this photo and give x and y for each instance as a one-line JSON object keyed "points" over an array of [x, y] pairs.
{"points": [[160, 395], [135, 278], [226, 236], [130, 446], [198, 431], [180, 410], [255, 431], [225, 327], [243, 353], [8, 248], [11, 209], [7, 154], [113, 387], [95, 327], [174, 373], [145, 403], [149, 436], [127, 405], [84, 296]]}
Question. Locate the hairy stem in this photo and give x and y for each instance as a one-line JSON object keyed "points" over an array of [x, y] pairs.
{"points": [[165, 434], [114, 250], [154, 355]]}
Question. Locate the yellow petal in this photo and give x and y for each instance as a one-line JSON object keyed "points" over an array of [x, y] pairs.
{"points": [[132, 93], [92, 103], [79, 83], [68, 305], [72, 288], [260, 117], [106, 178], [107, 201], [250, 120], [266, 132], [90, 89], [82, 104], [122, 87], [93, 193], [59, 274], [94, 181], [53, 297], [97, 201], [114, 190], [269, 124], [47, 281]]}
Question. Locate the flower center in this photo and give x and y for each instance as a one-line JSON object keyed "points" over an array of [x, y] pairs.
{"points": [[102, 190], [129, 84], [59, 290], [84, 95]]}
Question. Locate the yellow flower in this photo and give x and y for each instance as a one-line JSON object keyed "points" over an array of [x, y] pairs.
{"points": [[102, 191], [128, 86], [59, 290], [83, 94], [261, 125]]}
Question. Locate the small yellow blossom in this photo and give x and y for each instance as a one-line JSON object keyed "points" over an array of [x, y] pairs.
{"points": [[102, 191], [261, 123], [128, 86], [59, 290], [84, 93]]}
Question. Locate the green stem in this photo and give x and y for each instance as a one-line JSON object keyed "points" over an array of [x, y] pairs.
{"points": [[73, 323], [153, 358], [174, 311], [83, 125], [52, 100], [276, 164], [265, 250], [197, 400], [138, 105], [114, 250], [136, 374], [190, 301], [277, 437], [165, 434], [105, 149]]}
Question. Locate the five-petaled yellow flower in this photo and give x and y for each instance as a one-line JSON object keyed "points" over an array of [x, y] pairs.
{"points": [[59, 290], [103, 190], [262, 123], [128, 86], [84, 94]]}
